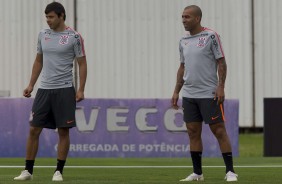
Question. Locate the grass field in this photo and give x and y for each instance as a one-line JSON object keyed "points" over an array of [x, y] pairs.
{"points": [[251, 166]]}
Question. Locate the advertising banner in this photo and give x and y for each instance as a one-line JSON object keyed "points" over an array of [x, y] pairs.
{"points": [[114, 128]]}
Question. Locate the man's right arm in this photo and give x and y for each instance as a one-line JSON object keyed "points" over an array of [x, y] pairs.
{"points": [[178, 86], [36, 70]]}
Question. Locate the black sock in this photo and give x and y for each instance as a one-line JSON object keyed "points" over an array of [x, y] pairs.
{"points": [[60, 165], [228, 160], [29, 165], [197, 161]]}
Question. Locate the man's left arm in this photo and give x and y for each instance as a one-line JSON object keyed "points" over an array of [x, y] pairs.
{"points": [[82, 77], [222, 71]]}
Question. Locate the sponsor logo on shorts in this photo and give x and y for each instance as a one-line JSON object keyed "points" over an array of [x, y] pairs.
{"points": [[70, 121], [214, 118]]}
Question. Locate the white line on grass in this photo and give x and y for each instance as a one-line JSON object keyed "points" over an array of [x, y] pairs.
{"points": [[159, 167]]}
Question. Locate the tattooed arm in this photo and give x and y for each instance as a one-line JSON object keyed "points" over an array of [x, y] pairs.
{"points": [[222, 71]]}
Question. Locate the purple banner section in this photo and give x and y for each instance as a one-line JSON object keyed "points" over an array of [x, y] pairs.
{"points": [[114, 128]]}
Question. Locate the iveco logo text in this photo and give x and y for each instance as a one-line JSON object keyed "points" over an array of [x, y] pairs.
{"points": [[116, 119]]}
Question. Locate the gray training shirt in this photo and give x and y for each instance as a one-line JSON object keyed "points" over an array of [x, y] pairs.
{"points": [[59, 50], [199, 54]]}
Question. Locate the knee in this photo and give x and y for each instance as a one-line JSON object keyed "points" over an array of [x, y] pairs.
{"points": [[220, 133], [194, 134], [34, 132]]}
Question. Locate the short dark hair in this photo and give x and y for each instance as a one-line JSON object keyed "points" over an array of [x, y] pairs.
{"points": [[57, 7], [196, 9]]}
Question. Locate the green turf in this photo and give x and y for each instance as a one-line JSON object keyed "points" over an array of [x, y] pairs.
{"points": [[251, 145], [250, 155], [146, 176]]}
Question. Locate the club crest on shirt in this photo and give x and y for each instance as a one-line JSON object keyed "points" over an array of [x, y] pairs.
{"points": [[202, 42], [64, 39]]}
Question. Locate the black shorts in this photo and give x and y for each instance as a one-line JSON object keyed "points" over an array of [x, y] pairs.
{"points": [[54, 108], [202, 109]]}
